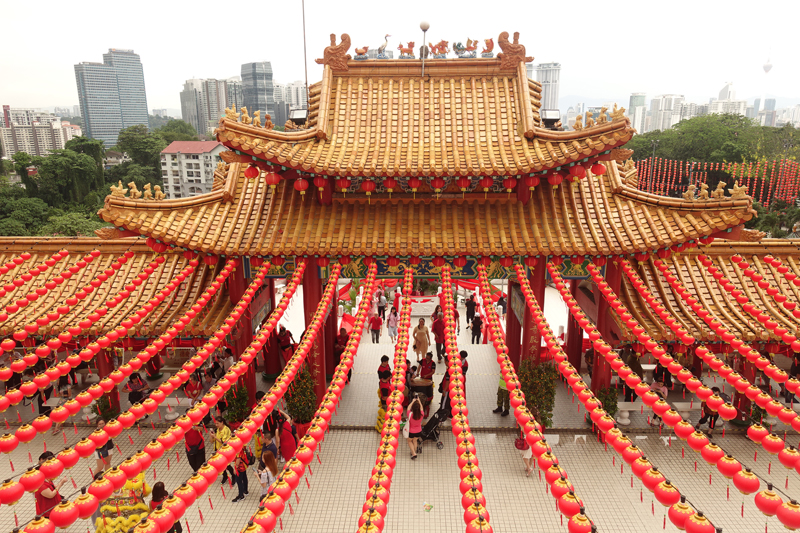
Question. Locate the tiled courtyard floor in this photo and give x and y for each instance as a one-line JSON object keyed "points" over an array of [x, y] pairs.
{"points": [[516, 503]]}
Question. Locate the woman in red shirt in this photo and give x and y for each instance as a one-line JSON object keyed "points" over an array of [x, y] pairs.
{"points": [[193, 389], [241, 475], [195, 448], [287, 440], [159, 495]]}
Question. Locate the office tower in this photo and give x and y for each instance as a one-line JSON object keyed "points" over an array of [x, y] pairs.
{"points": [[769, 104], [727, 92], [296, 95], [757, 106], [76, 111], [111, 95], [233, 92], [257, 90], [203, 101], [636, 100], [192, 105], [548, 74]]}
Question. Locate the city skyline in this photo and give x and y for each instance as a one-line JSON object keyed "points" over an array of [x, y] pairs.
{"points": [[46, 79]]}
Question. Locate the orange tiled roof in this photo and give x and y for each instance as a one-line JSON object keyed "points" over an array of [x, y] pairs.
{"points": [[596, 216], [155, 323], [464, 117], [707, 290]]}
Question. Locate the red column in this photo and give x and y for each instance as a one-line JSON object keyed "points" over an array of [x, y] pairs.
{"points": [[272, 363], [574, 339], [513, 328], [244, 329], [531, 339], [105, 365], [330, 334], [601, 373], [748, 371], [312, 295]]}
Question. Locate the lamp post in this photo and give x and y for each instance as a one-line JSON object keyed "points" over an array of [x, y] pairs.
{"points": [[423, 52], [653, 159]]}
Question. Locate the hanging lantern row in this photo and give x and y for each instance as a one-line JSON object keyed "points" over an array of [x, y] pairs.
{"points": [[666, 493], [31, 329], [695, 439], [772, 443], [9, 288], [173, 507], [475, 514], [21, 258], [59, 414], [560, 487], [373, 513], [767, 287], [280, 491]]}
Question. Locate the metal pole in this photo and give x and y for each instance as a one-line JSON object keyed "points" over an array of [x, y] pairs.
{"points": [[305, 58], [422, 52]]}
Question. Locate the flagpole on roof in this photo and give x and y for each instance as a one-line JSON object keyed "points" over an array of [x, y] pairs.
{"points": [[305, 56]]}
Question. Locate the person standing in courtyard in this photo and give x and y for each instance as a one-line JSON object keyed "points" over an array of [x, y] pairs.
{"points": [[422, 339], [195, 448], [414, 423], [382, 305], [391, 324], [470, 305], [438, 329], [477, 329], [47, 495], [375, 324], [267, 471], [503, 398]]}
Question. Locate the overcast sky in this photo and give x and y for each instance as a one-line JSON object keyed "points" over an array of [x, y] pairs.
{"points": [[685, 47]]}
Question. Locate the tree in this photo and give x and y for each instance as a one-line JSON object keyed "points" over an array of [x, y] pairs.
{"points": [[94, 149], [71, 224], [22, 160], [10, 227], [64, 176], [177, 130], [32, 211], [144, 148], [133, 172]]}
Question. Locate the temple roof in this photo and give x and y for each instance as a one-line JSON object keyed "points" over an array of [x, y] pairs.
{"points": [[464, 117], [601, 215], [155, 323], [696, 278]]}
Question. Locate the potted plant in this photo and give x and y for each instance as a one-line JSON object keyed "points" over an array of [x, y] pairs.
{"points": [[538, 380], [236, 410], [301, 400], [104, 408]]}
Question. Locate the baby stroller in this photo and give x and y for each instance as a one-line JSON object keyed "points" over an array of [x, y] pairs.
{"points": [[430, 431]]}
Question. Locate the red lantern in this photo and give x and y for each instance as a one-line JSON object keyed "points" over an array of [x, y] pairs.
{"points": [[64, 514], [251, 172], [666, 494], [272, 179], [301, 185], [509, 184], [680, 513], [320, 182], [746, 482], [389, 184], [86, 504], [368, 186], [414, 183], [343, 184], [789, 515], [768, 501], [555, 179], [598, 169], [463, 184], [698, 523], [438, 184], [577, 172], [486, 183]]}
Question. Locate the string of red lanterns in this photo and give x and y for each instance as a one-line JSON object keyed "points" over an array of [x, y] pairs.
{"points": [[63, 515], [569, 504], [18, 282], [374, 511], [113, 428], [775, 293], [476, 516], [666, 493], [765, 319], [280, 491], [42, 381], [697, 440]]}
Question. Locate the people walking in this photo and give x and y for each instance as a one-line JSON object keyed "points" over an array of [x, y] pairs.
{"points": [[375, 324], [438, 329], [195, 448], [470, 305], [422, 339], [391, 324], [477, 327], [503, 398], [414, 423]]}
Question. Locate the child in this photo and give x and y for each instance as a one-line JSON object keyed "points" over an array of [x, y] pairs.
{"points": [[384, 365]]}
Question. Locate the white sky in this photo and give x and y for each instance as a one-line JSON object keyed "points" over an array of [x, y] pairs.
{"points": [[684, 47]]}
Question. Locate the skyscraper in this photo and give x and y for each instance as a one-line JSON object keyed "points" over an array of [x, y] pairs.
{"points": [[257, 87], [662, 108], [547, 74], [769, 104], [203, 102], [636, 100], [637, 111], [111, 95]]}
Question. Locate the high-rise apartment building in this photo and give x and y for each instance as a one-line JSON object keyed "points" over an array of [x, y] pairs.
{"points": [[637, 111], [257, 89], [203, 101], [757, 106], [34, 132], [769, 104], [636, 100], [187, 167], [662, 108], [160, 112], [296, 95], [548, 75], [727, 92], [112, 95]]}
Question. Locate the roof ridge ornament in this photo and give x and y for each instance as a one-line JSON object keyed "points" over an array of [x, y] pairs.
{"points": [[513, 53], [335, 55]]}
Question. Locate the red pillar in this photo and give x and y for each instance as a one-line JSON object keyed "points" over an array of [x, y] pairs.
{"points": [[531, 339], [748, 371], [312, 295], [601, 373], [330, 335], [574, 340], [272, 363], [105, 365], [244, 330], [513, 328]]}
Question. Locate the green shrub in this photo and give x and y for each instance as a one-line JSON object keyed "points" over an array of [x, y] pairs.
{"points": [[103, 408], [539, 382], [237, 409], [301, 400], [608, 396]]}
